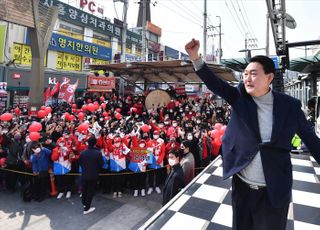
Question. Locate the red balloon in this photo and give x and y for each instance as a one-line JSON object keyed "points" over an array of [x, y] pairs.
{"points": [[42, 113], [118, 110], [84, 107], [96, 106], [74, 106], [6, 117], [83, 127], [66, 116], [48, 110], [95, 103], [71, 118], [107, 118], [17, 111], [145, 128], [3, 161], [105, 114], [101, 98], [103, 105], [91, 107], [34, 136], [118, 116], [43, 107], [35, 127], [81, 116]]}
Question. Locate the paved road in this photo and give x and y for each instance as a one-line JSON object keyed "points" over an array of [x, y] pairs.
{"points": [[111, 213]]}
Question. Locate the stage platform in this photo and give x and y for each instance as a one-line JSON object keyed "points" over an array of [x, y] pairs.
{"points": [[206, 202]]}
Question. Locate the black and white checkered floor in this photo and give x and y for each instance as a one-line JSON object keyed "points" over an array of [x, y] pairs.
{"points": [[206, 202]]}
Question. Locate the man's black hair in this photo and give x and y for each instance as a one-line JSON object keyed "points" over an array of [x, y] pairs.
{"points": [[176, 152], [92, 141], [266, 62]]}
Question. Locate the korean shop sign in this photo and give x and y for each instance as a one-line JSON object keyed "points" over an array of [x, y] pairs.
{"points": [[82, 18], [66, 44]]}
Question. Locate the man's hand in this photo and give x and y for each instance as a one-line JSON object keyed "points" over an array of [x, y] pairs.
{"points": [[192, 49]]}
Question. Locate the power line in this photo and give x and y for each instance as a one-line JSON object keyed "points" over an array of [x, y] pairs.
{"points": [[188, 11], [236, 13], [188, 19], [246, 15], [233, 18]]}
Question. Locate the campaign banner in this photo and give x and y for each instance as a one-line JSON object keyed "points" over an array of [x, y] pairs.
{"points": [[67, 91], [101, 84], [140, 157], [105, 162], [154, 164]]}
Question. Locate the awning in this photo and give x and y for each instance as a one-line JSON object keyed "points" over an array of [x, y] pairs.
{"points": [[306, 65], [163, 71]]}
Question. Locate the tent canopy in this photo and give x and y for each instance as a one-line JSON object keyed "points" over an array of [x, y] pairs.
{"points": [[163, 71], [306, 65]]}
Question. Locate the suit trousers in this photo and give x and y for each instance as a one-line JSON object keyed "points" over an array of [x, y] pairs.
{"points": [[88, 189], [252, 209]]}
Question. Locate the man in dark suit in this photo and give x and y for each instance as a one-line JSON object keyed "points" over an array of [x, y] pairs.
{"points": [[175, 180], [90, 161], [257, 142]]}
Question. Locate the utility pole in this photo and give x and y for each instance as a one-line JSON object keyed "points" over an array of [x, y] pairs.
{"points": [[220, 48], [205, 30], [124, 29], [267, 37], [144, 16]]}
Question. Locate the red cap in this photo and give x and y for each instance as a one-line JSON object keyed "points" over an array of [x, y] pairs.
{"points": [[142, 141], [156, 132], [117, 139]]}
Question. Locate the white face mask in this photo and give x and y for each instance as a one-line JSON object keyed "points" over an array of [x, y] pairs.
{"points": [[28, 140], [141, 145], [174, 124], [160, 126], [156, 136], [117, 144], [189, 137], [61, 144], [171, 162], [166, 123], [122, 135], [37, 150]]}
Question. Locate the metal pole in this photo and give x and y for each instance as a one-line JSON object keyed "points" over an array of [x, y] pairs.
{"points": [[124, 30], [205, 30], [267, 37], [220, 48], [144, 18]]}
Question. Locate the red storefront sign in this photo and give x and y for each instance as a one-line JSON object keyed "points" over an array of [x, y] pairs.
{"points": [[16, 76], [101, 84]]}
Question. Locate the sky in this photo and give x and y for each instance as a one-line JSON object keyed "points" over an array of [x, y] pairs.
{"points": [[182, 20]]}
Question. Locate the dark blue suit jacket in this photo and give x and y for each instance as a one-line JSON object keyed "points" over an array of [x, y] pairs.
{"points": [[242, 138], [91, 162]]}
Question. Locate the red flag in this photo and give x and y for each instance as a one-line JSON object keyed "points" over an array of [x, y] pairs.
{"points": [[55, 89], [67, 91], [47, 94]]}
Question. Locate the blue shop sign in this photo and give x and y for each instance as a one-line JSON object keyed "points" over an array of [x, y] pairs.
{"points": [[275, 60], [170, 52], [66, 44]]}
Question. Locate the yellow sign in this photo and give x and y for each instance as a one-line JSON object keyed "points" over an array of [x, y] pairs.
{"points": [[70, 34], [99, 61], [128, 51], [16, 54], [101, 42], [119, 48], [68, 61], [22, 54]]}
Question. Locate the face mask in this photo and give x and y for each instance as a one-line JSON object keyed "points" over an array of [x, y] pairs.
{"points": [[166, 123], [160, 126], [101, 119], [171, 162], [141, 145], [180, 110], [196, 105], [198, 122], [117, 144], [28, 140], [61, 144], [189, 137], [37, 150], [155, 136], [4, 131], [171, 111], [122, 135], [174, 124]]}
